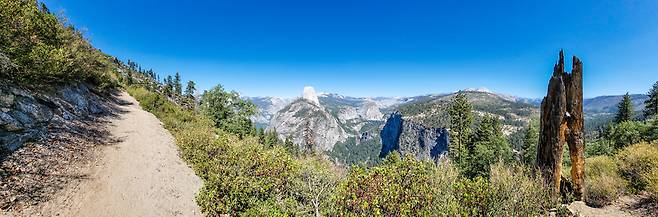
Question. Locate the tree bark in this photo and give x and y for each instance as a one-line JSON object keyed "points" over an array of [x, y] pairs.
{"points": [[562, 122]]}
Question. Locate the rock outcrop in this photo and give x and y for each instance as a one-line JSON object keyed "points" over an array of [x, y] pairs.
{"points": [[25, 115], [407, 137], [291, 121], [562, 123]]}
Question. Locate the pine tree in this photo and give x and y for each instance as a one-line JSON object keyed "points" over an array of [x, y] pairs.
{"points": [[488, 146], [190, 89], [625, 112], [168, 85], [271, 138], [309, 139], [291, 147], [130, 78], [529, 149], [178, 87], [651, 105], [461, 119]]}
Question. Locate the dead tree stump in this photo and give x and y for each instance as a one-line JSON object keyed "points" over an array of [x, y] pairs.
{"points": [[562, 122]]}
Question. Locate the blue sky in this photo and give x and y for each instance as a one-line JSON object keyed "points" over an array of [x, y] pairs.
{"points": [[378, 47]]}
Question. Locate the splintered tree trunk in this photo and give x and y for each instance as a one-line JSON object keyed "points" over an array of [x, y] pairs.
{"points": [[562, 122]]}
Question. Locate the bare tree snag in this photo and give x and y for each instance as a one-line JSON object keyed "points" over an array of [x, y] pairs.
{"points": [[562, 122]]}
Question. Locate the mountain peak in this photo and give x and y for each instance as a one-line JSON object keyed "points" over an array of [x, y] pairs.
{"points": [[310, 95], [480, 89]]}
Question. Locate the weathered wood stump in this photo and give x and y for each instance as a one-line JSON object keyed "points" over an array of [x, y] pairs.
{"points": [[562, 122]]}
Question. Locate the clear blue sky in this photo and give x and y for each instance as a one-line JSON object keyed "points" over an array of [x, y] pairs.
{"points": [[378, 47]]}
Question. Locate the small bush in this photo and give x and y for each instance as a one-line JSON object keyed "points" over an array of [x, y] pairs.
{"points": [[602, 181], [516, 191], [637, 164]]}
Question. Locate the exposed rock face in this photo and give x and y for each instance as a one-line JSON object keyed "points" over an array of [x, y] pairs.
{"points": [[26, 115], [371, 111], [291, 121], [267, 108], [562, 122], [347, 113], [412, 138], [310, 95]]}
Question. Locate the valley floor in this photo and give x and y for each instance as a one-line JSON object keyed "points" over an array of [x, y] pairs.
{"points": [[140, 175]]}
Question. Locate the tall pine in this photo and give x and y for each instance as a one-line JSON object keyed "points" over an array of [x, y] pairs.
{"points": [[651, 105], [461, 119], [625, 112], [529, 148], [178, 87], [190, 89]]}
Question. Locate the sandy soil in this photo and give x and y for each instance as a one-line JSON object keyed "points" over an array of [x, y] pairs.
{"points": [[141, 175], [625, 206]]}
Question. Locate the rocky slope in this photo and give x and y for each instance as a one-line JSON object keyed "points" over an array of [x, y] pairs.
{"points": [[432, 111], [44, 135], [408, 137], [26, 115], [267, 108], [292, 121]]}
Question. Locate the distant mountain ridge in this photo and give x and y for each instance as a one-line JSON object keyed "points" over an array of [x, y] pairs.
{"points": [[350, 121]]}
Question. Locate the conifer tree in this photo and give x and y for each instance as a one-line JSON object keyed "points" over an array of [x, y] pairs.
{"points": [[625, 112], [291, 147], [651, 104], [461, 119], [309, 139], [487, 147], [178, 87], [529, 149], [190, 89]]}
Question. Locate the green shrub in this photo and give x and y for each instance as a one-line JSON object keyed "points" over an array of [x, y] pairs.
{"points": [[602, 181], [242, 175], [47, 50], [625, 133], [637, 164], [398, 187], [516, 191]]}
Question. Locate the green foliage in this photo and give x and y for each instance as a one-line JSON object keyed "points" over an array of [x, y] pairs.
{"points": [[651, 132], [364, 154], [651, 104], [242, 174], [47, 50], [637, 164], [398, 187], [190, 89], [291, 147], [625, 110], [625, 133], [461, 119], [228, 110], [516, 191], [602, 181], [178, 87], [316, 186], [488, 146], [599, 147], [530, 143]]}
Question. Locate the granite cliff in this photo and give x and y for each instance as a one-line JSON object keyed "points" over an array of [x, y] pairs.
{"points": [[408, 137]]}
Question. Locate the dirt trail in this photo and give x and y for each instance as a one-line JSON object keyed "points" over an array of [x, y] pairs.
{"points": [[141, 175]]}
